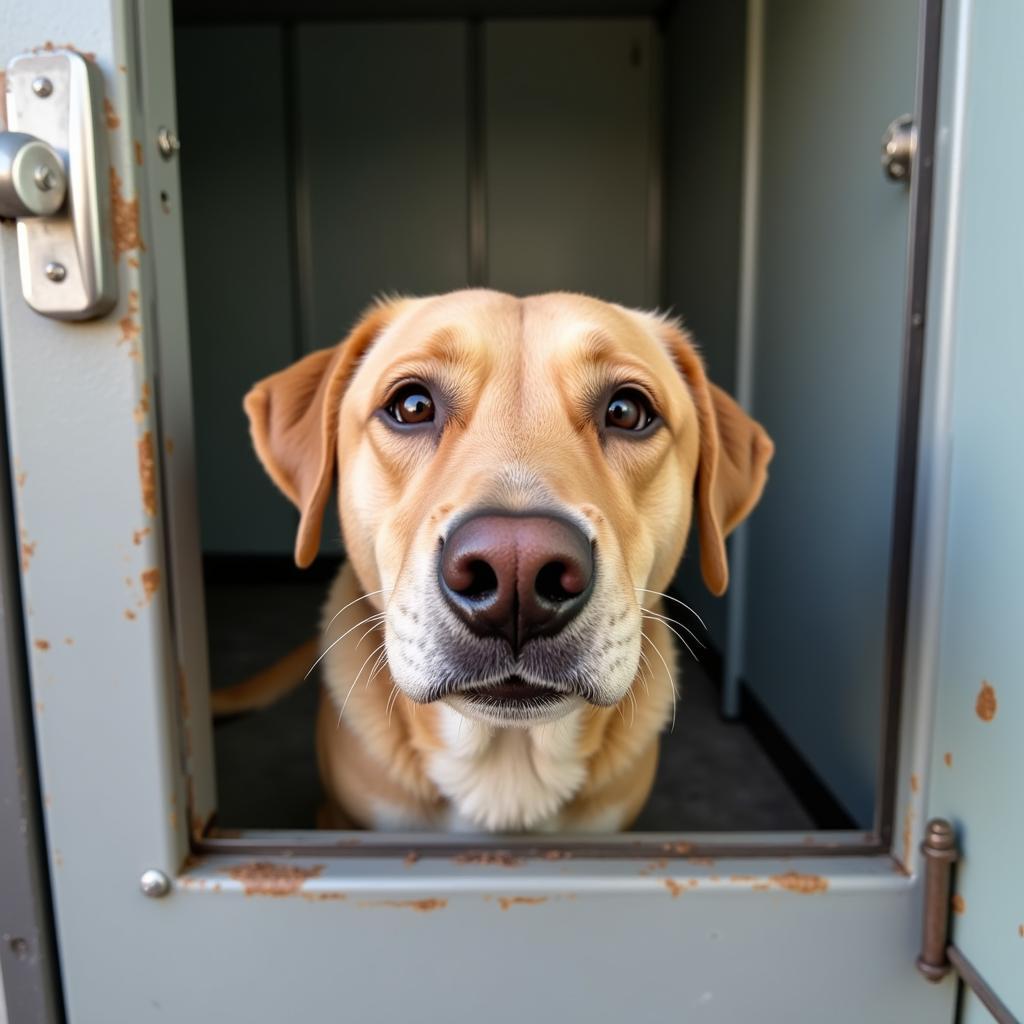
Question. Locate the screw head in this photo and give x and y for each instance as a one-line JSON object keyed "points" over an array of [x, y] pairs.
{"points": [[44, 178], [42, 87], [56, 272], [167, 142], [154, 883]]}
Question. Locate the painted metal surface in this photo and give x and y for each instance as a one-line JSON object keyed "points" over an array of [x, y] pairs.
{"points": [[828, 329], [572, 156], [976, 757]]}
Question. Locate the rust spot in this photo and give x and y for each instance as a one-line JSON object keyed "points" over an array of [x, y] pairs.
{"points": [[138, 152], [760, 887], [958, 903], [410, 858], [113, 121], [150, 583], [70, 641], [674, 887], [129, 614], [742, 879], [986, 705], [500, 858], [947, 757], [915, 783], [556, 855], [125, 216], [702, 861], [43, 645], [133, 263], [139, 535], [40, 706], [20, 477], [143, 407], [147, 473], [679, 849], [28, 550], [1020, 930], [264, 878], [325, 896], [420, 906], [520, 901], [792, 881], [130, 329]]}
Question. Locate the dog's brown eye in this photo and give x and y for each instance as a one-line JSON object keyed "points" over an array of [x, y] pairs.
{"points": [[412, 404], [628, 410]]}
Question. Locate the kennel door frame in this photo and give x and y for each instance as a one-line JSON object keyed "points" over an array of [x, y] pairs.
{"points": [[100, 435]]}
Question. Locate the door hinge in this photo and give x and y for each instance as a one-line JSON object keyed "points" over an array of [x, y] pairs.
{"points": [[940, 853], [55, 181]]}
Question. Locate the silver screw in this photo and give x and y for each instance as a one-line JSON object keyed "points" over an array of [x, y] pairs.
{"points": [[167, 142], [154, 883], [42, 87], [43, 177], [56, 272]]}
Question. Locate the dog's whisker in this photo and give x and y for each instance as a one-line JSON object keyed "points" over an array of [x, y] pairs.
{"points": [[356, 680], [377, 616], [669, 597], [668, 674], [364, 597], [668, 618], [676, 632]]}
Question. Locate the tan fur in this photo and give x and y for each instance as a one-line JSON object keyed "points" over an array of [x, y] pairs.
{"points": [[517, 375]]}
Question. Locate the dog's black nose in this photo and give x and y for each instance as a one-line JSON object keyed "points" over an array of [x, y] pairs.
{"points": [[516, 576]]}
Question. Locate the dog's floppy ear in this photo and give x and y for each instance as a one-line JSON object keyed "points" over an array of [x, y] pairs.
{"points": [[734, 454], [293, 420]]}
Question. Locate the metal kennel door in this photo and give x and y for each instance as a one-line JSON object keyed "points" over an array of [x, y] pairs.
{"points": [[714, 928]]}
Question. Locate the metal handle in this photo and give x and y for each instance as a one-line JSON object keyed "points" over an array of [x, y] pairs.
{"points": [[55, 179], [32, 178], [899, 147]]}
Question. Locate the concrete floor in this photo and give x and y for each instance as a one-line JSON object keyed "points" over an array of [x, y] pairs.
{"points": [[713, 775]]}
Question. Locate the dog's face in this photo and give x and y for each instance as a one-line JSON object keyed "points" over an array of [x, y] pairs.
{"points": [[515, 478]]}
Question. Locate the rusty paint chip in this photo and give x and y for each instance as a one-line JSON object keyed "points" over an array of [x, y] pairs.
{"points": [[147, 473], [410, 858], [113, 121], [674, 887], [139, 535], [520, 901], [958, 903], [948, 759], [500, 858], [125, 217], [793, 881], [150, 582], [420, 906], [265, 878], [986, 705], [43, 645]]}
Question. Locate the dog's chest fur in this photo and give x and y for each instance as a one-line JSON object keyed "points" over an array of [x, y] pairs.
{"points": [[507, 778]]}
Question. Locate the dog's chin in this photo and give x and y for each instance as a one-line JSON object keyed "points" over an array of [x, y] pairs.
{"points": [[513, 702]]}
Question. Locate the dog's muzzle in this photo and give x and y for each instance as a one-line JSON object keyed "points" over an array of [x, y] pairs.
{"points": [[516, 576]]}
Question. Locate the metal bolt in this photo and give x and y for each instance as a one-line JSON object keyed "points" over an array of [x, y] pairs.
{"points": [[154, 883], [56, 272], [167, 142], [42, 87], [43, 177]]}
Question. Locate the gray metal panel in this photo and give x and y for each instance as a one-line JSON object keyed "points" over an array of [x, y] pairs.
{"points": [[382, 123], [239, 256], [705, 55], [979, 718], [570, 140], [29, 972], [830, 298]]}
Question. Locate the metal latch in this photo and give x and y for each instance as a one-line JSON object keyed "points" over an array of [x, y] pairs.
{"points": [[899, 147], [54, 180]]}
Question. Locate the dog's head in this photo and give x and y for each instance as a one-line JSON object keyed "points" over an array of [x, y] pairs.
{"points": [[515, 477]]}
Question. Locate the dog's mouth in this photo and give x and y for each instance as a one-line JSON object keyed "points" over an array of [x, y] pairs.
{"points": [[512, 700]]}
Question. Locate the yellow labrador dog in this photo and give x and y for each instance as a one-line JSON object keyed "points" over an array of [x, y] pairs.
{"points": [[516, 479]]}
